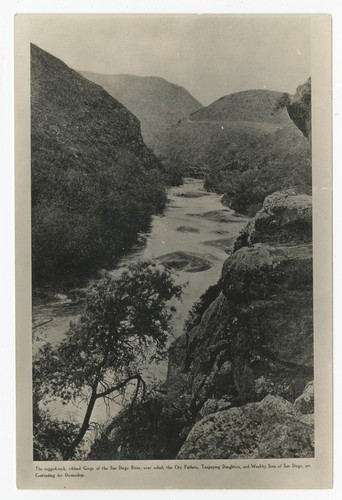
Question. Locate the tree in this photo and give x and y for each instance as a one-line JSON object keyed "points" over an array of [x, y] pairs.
{"points": [[126, 322]]}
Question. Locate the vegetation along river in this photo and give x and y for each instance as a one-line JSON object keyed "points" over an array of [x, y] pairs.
{"points": [[193, 235]]}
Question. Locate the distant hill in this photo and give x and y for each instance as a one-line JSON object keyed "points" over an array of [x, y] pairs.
{"points": [[251, 106], [95, 184], [239, 133], [157, 103]]}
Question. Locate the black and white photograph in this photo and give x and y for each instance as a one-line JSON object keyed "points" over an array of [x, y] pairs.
{"points": [[171, 239]]}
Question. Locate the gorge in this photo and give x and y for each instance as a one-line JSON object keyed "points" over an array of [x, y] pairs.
{"points": [[238, 381]]}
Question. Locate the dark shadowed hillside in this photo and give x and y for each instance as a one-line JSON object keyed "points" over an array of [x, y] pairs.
{"points": [[95, 184], [244, 145], [157, 103]]}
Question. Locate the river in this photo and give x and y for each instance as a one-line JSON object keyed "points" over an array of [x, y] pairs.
{"points": [[195, 233]]}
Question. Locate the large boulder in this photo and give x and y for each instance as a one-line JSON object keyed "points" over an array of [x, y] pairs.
{"points": [[268, 429], [286, 217], [260, 271]]}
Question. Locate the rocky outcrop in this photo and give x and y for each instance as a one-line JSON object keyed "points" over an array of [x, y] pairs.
{"points": [[252, 350], [286, 217], [268, 429], [299, 108], [256, 337]]}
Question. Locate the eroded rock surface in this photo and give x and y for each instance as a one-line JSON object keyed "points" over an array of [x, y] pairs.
{"points": [[286, 217], [268, 429]]}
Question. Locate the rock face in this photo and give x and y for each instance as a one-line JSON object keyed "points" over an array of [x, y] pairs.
{"points": [[299, 108], [285, 216], [268, 429], [157, 103]]}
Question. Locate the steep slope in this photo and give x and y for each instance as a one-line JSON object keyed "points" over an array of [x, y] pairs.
{"points": [[157, 103], [94, 182], [241, 143]]}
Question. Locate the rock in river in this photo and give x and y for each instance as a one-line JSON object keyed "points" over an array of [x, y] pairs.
{"points": [[185, 261]]}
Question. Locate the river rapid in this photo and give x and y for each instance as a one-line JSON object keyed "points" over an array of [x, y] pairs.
{"points": [[194, 235]]}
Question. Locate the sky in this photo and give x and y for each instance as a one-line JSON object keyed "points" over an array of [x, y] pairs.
{"points": [[210, 55]]}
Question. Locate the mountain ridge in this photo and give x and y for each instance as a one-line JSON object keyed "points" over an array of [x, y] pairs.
{"points": [[155, 101]]}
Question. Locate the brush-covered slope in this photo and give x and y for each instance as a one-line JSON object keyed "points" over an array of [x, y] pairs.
{"points": [[244, 145], [94, 182], [157, 103], [251, 105]]}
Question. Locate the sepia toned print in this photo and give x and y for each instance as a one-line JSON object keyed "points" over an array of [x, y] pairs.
{"points": [[173, 293]]}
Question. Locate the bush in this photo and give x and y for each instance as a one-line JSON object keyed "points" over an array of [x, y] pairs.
{"points": [[152, 430]]}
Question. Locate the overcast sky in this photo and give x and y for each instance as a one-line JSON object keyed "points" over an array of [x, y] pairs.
{"points": [[210, 56]]}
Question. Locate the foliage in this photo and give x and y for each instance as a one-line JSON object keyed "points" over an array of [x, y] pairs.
{"points": [[125, 322], [245, 179], [173, 172], [83, 220], [51, 437], [154, 429]]}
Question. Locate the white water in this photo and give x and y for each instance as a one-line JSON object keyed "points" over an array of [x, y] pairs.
{"points": [[186, 207]]}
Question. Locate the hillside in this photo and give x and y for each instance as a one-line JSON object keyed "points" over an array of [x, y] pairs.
{"points": [[157, 103], [237, 142], [251, 105], [95, 184]]}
